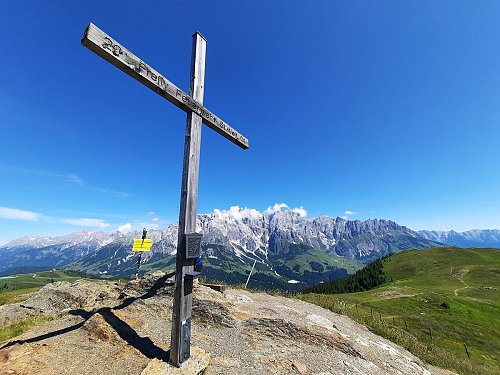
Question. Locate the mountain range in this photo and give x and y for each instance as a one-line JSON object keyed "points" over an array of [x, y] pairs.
{"points": [[473, 238], [289, 250]]}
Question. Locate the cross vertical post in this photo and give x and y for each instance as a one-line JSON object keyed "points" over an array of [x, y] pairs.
{"points": [[188, 241], [181, 314]]}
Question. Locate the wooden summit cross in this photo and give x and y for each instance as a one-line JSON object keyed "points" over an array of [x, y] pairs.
{"points": [[112, 51]]}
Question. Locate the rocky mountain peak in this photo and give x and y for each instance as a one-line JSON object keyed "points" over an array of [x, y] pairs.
{"points": [[471, 238], [238, 233]]}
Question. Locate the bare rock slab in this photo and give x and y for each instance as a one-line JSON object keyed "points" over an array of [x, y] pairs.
{"points": [[195, 365]]}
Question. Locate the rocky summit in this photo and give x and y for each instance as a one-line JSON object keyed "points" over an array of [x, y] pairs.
{"points": [[104, 327]]}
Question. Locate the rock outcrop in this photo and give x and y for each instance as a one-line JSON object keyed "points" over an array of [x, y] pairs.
{"points": [[104, 327]]}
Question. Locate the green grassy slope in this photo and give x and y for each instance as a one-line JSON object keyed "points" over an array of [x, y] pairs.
{"points": [[12, 287], [301, 263], [17, 289], [438, 300]]}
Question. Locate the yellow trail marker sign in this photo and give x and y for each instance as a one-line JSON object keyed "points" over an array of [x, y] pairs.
{"points": [[142, 245]]}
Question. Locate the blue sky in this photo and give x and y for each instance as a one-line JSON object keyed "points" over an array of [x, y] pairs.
{"points": [[384, 109]]}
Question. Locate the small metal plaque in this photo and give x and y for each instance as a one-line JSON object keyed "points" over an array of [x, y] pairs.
{"points": [[193, 245], [185, 349]]}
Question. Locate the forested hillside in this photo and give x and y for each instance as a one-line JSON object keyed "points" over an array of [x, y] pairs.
{"points": [[365, 279]]}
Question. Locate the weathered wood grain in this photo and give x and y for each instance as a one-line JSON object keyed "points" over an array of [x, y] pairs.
{"points": [[109, 49], [183, 297]]}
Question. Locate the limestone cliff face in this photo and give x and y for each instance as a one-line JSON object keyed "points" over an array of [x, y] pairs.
{"points": [[103, 327], [274, 232], [241, 232]]}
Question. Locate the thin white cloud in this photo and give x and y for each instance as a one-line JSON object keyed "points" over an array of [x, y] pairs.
{"points": [[118, 194], [15, 214], [86, 222], [151, 213], [348, 214], [124, 216], [125, 228], [300, 210], [68, 177], [277, 207], [156, 220], [71, 178], [147, 226], [283, 207], [238, 213]]}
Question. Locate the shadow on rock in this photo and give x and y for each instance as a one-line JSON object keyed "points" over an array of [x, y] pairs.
{"points": [[125, 331]]}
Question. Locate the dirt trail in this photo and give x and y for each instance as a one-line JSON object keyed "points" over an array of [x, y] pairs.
{"points": [[459, 275]]}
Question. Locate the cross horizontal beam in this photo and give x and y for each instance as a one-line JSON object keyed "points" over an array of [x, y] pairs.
{"points": [[110, 50]]}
